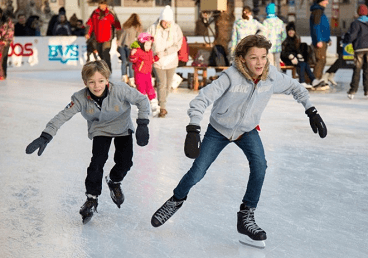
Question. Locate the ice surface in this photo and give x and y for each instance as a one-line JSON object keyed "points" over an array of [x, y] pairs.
{"points": [[313, 204]]}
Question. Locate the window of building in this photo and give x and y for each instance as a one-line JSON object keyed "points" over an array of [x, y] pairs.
{"points": [[162, 2]]}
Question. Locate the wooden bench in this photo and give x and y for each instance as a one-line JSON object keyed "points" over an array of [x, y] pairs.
{"points": [[196, 74], [293, 70], [204, 73]]}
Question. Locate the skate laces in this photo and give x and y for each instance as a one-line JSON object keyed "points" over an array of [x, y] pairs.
{"points": [[167, 210], [90, 204], [249, 222], [115, 187]]}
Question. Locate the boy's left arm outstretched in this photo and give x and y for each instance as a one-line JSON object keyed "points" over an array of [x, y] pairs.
{"points": [[134, 97]]}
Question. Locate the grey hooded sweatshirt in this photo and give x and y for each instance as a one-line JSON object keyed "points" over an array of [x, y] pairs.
{"points": [[111, 119], [238, 103]]}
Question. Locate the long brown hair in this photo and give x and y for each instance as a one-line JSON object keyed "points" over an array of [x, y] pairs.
{"points": [[133, 21]]}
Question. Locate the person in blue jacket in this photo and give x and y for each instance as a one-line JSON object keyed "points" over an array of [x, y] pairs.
{"points": [[239, 97], [358, 35], [320, 33]]}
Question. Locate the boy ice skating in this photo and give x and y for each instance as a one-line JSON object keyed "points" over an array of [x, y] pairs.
{"points": [[106, 106], [142, 58], [239, 97]]}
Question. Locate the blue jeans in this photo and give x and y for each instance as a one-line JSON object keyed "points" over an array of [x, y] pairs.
{"points": [[303, 67], [124, 55], [213, 143]]}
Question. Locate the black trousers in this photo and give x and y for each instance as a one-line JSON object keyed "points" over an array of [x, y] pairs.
{"points": [[103, 50], [123, 161]]}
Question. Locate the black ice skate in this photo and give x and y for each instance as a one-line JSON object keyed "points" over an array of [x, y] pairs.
{"points": [[166, 211], [252, 234], [116, 193], [88, 208]]}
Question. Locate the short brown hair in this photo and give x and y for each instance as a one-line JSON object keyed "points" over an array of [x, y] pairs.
{"points": [[90, 68], [252, 41]]}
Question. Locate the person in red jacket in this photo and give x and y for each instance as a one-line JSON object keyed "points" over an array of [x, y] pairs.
{"points": [[142, 58], [101, 22]]}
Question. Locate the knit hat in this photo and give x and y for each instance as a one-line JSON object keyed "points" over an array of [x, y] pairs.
{"points": [[270, 8], [167, 14], [290, 26], [362, 10], [318, 1], [62, 10], [144, 36]]}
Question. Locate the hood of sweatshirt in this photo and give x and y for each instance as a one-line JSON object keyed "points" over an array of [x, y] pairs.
{"points": [[242, 68]]}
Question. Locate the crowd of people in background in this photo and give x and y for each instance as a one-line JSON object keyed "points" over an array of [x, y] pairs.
{"points": [[287, 49]]}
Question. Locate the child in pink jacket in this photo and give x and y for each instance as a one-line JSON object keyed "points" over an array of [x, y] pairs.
{"points": [[142, 58]]}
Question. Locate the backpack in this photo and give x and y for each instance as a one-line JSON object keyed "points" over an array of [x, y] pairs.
{"points": [[218, 56], [183, 52], [202, 58]]}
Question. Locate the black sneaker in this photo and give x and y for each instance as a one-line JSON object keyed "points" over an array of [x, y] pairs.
{"points": [[166, 211], [88, 208], [116, 193], [247, 225]]}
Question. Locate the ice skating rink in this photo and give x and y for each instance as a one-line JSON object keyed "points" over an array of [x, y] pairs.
{"points": [[314, 201]]}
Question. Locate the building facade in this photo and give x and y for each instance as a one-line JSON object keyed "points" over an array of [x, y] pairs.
{"points": [[340, 12]]}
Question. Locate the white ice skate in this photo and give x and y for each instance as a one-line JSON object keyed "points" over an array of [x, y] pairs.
{"points": [[155, 107], [246, 240]]}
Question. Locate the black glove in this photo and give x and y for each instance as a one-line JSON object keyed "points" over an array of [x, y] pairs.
{"points": [[142, 134], [316, 122], [192, 145], [41, 142]]}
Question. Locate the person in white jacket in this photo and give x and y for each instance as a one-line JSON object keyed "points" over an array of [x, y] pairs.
{"points": [[168, 39]]}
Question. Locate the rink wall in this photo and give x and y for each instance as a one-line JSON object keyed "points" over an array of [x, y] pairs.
{"points": [[51, 53], [68, 53]]}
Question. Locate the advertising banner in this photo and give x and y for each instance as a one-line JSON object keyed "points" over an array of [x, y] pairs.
{"points": [[52, 53]]}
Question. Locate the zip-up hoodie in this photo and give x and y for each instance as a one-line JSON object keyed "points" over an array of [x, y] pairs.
{"points": [[238, 103], [319, 25], [111, 119], [358, 34]]}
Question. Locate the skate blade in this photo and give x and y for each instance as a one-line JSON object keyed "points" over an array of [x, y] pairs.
{"points": [[245, 240], [87, 219], [116, 202]]}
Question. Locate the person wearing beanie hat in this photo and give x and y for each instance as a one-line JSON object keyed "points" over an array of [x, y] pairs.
{"points": [[243, 27], [238, 98], [142, 58], [276, 34], [358, 35], [320, 33], [292, 54], [362, 10], [168, 40], [102, 24]]}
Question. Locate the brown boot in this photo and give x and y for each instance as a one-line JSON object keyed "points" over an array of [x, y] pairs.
{"points": [[163, 113]]}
